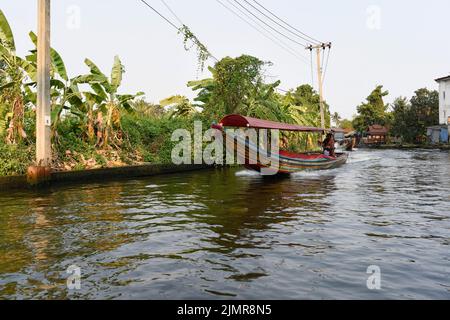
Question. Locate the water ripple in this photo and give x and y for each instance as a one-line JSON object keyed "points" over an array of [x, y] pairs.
{"points": [[233, 234]]}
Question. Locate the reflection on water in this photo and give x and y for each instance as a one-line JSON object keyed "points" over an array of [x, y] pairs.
{"points": [[233, 234]]}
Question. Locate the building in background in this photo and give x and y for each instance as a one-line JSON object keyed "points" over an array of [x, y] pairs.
{"points": [[376, 135], [444, 100], [440, 133]]}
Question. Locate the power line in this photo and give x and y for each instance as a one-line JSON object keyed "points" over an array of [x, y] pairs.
{"points": [[159, 14], [271, 27], [274, 39], [179, 29], [278, 24], [286, 23], [172, 12], [297, 54]]}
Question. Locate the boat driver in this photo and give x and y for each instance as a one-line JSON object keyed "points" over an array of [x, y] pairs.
{"points": [[328, 146]]}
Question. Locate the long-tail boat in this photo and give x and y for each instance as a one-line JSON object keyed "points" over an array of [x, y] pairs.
{"points": [[288, 162]]}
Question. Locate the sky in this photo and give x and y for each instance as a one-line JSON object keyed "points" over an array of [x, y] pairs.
{"points": [[400, 44]]}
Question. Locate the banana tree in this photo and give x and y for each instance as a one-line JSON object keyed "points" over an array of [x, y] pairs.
{"points": [[64, 92], [85, 111], [206, 96], [262, 102], [14, 72], [109, 103], [180, 106]]}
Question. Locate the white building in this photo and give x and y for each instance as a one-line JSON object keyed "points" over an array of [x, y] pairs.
{"points": [[444, 100]]}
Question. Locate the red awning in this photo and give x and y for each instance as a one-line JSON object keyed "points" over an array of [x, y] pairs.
{"points": [[235, 120]]}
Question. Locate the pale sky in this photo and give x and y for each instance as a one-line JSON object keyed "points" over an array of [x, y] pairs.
{"points": [[401, 44]]}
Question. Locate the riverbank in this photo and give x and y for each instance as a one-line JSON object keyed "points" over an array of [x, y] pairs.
{"points": [[143, 140], [445, 147], [106, 174]]}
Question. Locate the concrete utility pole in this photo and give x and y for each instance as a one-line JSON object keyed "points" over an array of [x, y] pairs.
{"points": [[43, 112], [319, 48]]}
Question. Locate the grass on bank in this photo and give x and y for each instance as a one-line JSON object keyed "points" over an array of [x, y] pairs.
{"points": [[145, 140]]}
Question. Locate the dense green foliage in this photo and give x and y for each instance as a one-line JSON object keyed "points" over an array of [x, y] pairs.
{"points": [[373, 111], [406, 118], [346, 124], [238, 86], [411, 118], [15, 159], [93, 125]]}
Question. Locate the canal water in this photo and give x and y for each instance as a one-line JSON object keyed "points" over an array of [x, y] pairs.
{"points": [[231, 234]]}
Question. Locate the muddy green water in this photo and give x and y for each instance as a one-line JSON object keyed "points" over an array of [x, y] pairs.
{"points": [[232, 234]]}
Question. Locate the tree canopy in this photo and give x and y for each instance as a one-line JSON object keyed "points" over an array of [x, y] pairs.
{"points": [[373, 111], [410, 119]]}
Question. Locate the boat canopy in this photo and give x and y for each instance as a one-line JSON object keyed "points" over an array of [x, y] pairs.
{"points": [[239, 121]]}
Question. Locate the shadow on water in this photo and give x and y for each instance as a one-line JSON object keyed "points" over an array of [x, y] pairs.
{"points": [[43, 233], [239, 208]]}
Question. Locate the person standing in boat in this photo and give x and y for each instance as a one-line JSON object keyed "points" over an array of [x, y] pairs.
{"points": [[329, 145]]}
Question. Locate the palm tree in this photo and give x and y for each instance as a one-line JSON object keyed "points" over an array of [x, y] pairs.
{"points": [[64, 92], [336, 119]]}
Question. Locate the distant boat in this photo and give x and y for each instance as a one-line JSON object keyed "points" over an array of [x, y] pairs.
{"points": [[351, 141], [289, 162]]}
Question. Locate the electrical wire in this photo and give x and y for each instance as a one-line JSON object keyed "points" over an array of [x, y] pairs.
{"points": [[159, 14], [286, 23], [278, 24], [273, 37], [271, 27], [172, 12], [170, 22]]}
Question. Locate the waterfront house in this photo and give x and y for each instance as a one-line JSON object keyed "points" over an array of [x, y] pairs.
{"points": [[376, 134], [440, 133], [444, 100]]}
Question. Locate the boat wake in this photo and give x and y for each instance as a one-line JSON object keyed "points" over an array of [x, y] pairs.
{"points": [[314, 174], [247, 173], [361, 158]]}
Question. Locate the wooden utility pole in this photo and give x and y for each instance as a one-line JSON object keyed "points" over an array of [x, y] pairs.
{"points": [[319, 49], [43, 112]]}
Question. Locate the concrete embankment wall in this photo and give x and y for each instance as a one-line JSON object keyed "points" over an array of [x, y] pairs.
{"points": [[107, 174]]}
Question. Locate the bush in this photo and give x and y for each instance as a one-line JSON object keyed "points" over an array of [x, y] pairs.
{"points": [[15, 159], [145, 139], [152, 136]]}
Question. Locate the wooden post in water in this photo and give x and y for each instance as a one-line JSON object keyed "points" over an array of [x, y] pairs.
{"points": [[43, 113]]}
